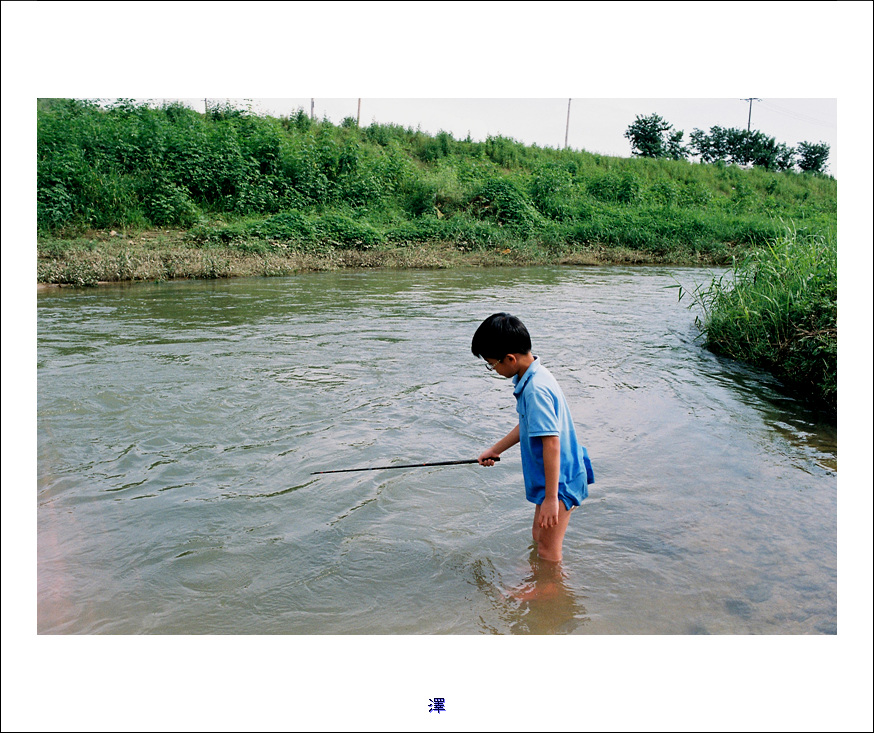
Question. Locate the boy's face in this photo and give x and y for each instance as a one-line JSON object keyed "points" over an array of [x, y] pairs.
{"points": [[506, 366]]}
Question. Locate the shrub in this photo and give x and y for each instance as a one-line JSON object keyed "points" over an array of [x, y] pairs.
{"points": [[552, 192], [342, 231], [664, 193], [501, 200], [54, 207], [504, 151], [778, 310], [471, 234], [288, 226], [604, 187], [424, 229], [168, 204], [419, 197], [431, 149]]}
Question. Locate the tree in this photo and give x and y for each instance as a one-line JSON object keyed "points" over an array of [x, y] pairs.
{"points": [[785, 157], [654, 137], [812, 156], [710, 147], [741, 147], [766, 152]]}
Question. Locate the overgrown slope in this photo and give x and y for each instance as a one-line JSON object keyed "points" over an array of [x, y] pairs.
{"points": [[263, 183]]}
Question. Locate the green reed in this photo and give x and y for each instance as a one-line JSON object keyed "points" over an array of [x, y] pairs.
{"points": [[777, 309]]}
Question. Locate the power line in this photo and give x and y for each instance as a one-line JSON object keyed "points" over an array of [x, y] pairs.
{"points": [[796, 115]]}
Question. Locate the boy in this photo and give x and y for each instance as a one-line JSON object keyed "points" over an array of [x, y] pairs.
{"points": [[555, 466]]}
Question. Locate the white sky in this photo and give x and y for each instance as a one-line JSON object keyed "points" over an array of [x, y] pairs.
{"points": [[609, 57]]}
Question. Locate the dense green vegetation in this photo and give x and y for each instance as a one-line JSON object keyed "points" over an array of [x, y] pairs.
{"points": [[264, 184], [230, 193], [777, 309]]}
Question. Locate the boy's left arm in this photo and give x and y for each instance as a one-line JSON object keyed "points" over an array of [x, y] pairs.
{"points": [[551, 464]]}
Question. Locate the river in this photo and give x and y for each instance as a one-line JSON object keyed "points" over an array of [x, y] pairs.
{"points": [[179, 425]]}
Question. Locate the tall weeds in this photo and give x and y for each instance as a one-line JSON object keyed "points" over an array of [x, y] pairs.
{"points": [[777, 309], [135, 166]]}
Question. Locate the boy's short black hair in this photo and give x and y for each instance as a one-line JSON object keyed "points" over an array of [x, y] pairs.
{"points": [[500, 334]]}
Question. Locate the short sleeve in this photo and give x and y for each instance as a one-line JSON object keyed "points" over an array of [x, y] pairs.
{"points": [[542, 412]]}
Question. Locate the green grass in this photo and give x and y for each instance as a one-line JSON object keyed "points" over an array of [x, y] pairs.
{"points": [[777, 309], [230, 176]]}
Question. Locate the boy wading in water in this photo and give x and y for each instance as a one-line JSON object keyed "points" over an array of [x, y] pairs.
{"points": [[555, 466]]}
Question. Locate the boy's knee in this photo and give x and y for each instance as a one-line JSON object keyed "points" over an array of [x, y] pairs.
{"points": [[549, 547], [548, 552]]}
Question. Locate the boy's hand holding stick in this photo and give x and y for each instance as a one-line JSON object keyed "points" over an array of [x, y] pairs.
{"points": [[488, 457]]}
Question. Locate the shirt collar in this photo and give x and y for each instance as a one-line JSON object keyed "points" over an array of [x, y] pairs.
{"points": [[529, 372]]}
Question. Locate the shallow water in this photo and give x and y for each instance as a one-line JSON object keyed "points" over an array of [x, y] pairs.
{"points": [[179, 424]]}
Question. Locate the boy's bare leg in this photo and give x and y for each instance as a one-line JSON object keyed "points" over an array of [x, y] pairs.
{"points": [[546, 580], [550, 539]]}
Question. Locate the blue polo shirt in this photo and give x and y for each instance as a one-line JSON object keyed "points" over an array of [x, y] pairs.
{"points": [[543, 410]]}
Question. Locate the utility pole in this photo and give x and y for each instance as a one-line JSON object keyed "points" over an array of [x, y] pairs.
{"points": [[358, 120], [312, 108], [568, 126], [750, 100]]}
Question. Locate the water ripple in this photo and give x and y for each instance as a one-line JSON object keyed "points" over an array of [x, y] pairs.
{"points": [[714, 509]]}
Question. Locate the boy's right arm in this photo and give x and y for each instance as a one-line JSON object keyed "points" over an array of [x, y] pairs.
{"points": [[508, 441]]}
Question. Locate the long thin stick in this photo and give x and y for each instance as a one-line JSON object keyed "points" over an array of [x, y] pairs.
{"points": [[407, 465]]}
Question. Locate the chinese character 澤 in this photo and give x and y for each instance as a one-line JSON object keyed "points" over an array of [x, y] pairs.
{"points": [[438, 704]]}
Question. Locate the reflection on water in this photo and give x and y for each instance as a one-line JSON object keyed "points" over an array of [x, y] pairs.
{"points": [[804, 428], [179, 425], [542, 602], [547, 604]]}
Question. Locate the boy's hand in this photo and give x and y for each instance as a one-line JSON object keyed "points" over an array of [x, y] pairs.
{"points": [[488, 458], [549, 513]]}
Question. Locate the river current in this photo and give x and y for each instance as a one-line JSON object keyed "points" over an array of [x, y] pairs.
{"points": [[179, 425]]}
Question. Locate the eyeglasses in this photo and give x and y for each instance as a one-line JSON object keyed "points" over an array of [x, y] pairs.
{"points": [[491, 367]]}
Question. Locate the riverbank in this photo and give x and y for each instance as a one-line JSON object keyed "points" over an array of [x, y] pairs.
{"points": [[777, 310], [794, 334], [131, 192], [162, 254]]}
